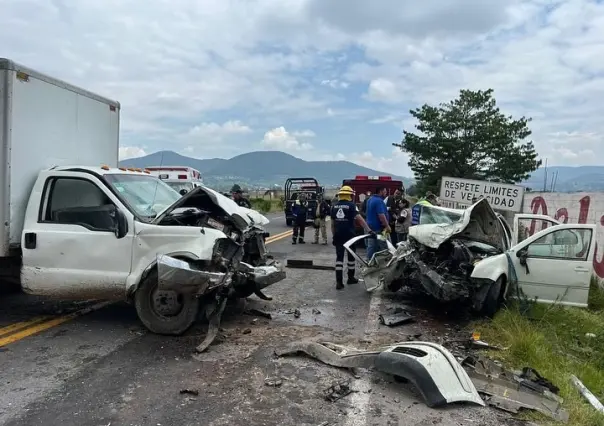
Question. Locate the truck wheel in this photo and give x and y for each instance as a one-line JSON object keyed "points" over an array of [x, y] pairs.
{"points": [[164, 312], [492, 301], [289, 222]]}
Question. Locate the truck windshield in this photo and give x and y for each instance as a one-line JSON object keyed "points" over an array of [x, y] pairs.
{"points": [[146, 195]]}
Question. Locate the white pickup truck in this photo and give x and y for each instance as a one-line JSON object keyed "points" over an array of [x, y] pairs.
{"points": [[77, 231]]}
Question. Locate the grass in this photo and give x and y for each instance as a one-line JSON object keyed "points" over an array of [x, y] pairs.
{"points": [[266, 205], [551, 339]]}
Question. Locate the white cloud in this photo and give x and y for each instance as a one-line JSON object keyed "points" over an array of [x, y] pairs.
{"points": [[169, 71], [395, 164], [304, 134], [215, 132], [280, 139], [335, 84], [126, 152]]}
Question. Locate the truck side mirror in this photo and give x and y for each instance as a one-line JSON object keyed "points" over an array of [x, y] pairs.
{"points": [[121, 225]]}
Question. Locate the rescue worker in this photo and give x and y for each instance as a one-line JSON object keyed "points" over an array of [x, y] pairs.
{"points": [[238, 197], [322, 212], [300, 212], [344, 215], [429, 200]]}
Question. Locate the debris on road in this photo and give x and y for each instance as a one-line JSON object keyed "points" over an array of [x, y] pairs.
{"points": [[258, 313], [430, 367], [193, 392], [396, 319], [315, 311], [274, 382], [297, 313], [590, 397], [308, 264], [337, 391], [247, 331], [510, 392]]}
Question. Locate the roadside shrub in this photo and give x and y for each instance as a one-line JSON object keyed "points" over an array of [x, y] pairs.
{"points": [[261, 205]]}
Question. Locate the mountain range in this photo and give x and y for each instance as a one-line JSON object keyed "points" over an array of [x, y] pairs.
{"points": [[266, 169], [269, 169]]}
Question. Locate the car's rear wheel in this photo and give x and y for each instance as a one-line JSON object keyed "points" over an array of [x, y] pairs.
{"points": [[164, 312], [492, 301]]}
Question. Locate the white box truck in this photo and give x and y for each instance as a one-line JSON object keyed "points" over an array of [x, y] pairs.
{"points": [[75, 226]]}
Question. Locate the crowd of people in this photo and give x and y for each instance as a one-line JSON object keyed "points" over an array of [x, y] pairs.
{"points": [[381, 215]]}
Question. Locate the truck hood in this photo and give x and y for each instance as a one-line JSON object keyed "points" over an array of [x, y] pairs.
{"points": [[478, 223], [243, 217]]}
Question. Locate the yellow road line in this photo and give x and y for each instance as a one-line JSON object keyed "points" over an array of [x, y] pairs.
{"points": [[15, 332], [278, 237], [37, 328], [20, 325]]}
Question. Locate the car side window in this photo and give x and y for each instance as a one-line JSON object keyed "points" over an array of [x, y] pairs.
{"points": [[567, 244], [72, 201]]}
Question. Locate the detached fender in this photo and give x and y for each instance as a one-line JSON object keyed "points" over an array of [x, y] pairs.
{"points": [[491, 269]]}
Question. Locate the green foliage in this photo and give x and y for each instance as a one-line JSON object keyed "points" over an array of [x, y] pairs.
{"points": [[265, 205], [412, 191], [468, 138], [557, 341]]}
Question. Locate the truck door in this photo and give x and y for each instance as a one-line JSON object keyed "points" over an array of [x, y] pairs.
{"points": [[69, 241]]}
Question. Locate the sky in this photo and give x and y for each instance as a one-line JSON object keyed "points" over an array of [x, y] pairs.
{"points": [[321, 80]]}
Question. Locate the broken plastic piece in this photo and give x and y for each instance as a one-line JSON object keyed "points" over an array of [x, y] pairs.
{"points": [[337, 391], [432, 368], [396, 319], [213, 314], [590, 397]]}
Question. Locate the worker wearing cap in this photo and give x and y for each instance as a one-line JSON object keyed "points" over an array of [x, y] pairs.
{"points": [[238, 197], [429, 200], [344, 215]]}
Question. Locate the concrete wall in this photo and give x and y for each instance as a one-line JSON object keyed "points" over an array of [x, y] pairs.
{"points": [[580, 207]]}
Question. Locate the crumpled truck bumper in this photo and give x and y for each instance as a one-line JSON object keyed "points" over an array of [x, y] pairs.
{"points": [[183, 277], [264, 275]]}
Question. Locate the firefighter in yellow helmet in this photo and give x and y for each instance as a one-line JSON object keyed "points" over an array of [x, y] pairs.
{"points": [[344, 215]]}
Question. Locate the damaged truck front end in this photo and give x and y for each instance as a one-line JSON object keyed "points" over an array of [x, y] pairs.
{"points": [[232, 262], [440, 256]]}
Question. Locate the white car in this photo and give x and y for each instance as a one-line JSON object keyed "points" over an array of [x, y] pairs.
{"points": [[473, 255]]}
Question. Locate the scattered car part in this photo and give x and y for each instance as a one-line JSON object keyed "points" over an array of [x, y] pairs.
{"points": [[395, 319], [432, 368], [193, 392], [337, 391], [590, 397], [509, 392], [274, 382], [307, 264]]}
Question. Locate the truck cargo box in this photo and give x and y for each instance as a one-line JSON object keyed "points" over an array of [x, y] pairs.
{"points": [[45, 122]]}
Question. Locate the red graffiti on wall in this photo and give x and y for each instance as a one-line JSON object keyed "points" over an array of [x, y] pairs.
{"points": [[539, 206]]}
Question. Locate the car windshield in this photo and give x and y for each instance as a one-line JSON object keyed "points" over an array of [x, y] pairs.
{"points": [[145, 195], [438, 215]]}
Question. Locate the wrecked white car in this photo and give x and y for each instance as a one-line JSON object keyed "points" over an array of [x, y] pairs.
{"points": [[472, 256]]}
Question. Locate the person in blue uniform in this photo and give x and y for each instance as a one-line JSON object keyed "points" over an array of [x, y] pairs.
{"points": [[300, 211], [344, 216]]}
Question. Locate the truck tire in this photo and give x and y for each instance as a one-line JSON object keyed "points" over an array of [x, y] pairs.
{"points": [[492, 301], [289, 222], [169, 313]]}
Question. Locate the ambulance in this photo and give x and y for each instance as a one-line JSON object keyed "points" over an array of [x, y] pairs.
{"points": [[182, 179]]}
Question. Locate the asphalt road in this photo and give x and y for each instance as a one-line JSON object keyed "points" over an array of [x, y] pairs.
{"points": [[103, 368]]}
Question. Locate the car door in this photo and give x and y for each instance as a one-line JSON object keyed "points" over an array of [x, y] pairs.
{"points": [[555, 265], [69, 248], [526, 224]]}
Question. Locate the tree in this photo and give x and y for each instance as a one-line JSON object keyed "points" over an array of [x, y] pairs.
{"points": [[468, 138]]}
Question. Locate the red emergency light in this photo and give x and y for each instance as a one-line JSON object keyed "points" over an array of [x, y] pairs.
{"points": [[182, 177], [385, 177], [359, 177]]}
